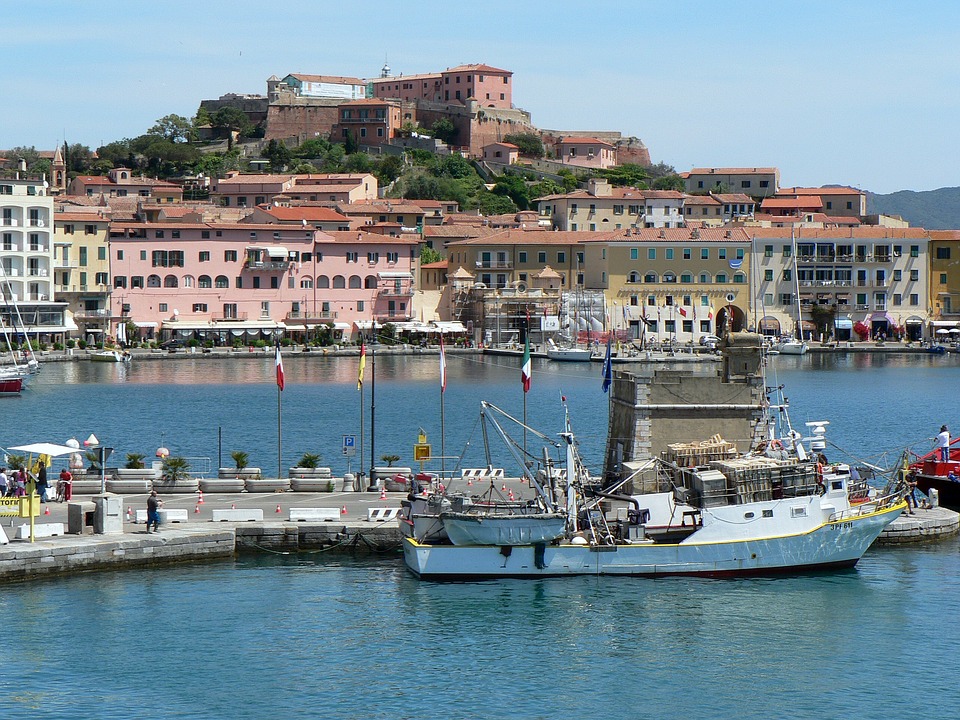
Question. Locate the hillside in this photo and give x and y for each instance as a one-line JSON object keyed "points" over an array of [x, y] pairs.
{"points": [[931, 209]]}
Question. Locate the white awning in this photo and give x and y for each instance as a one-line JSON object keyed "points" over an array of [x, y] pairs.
{"points": [[277, 252], [449, 326], [341, 326], [946, 323], [843, 324], [394, 276], [144, 324]]}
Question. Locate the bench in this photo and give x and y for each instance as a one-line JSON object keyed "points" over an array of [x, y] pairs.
{"points": [[40, 530], [382, 514], [251, 515], [314, 514]]}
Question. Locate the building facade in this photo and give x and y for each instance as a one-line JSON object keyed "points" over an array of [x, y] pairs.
{"points": [[82, 270]]}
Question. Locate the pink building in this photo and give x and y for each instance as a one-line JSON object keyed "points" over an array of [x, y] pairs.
{"points": [[370, 122], [121, 182], [222, 282], [252, 189], [501, 152], [489, 86], [587, 152]]}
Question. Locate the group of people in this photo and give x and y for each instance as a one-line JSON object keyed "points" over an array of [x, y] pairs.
{"points": [[14, 484]]}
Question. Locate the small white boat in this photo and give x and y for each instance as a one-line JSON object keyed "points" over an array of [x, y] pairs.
{"points": [[466, 528], [791, 347], [113, 356], [568, 354]]}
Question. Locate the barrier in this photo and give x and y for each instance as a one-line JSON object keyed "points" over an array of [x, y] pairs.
{"points": [[382, 514], [238, 515], [314, 514], [40, 530]]}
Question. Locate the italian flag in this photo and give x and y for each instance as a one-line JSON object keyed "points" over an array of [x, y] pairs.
{"points": [[526, 370]]}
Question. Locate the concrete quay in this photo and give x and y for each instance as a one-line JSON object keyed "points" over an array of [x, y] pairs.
{"points": [[923, 526]]}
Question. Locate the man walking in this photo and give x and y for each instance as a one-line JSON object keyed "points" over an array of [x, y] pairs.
{"points": [[153, 511]]}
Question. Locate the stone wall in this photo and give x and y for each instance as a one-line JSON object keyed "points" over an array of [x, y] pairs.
{"points": [[301, 118]]}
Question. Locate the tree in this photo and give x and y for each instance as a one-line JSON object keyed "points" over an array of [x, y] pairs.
{"points": [[175, 468], [514, 188], [626, 175], [429, 255], [174, 128], [135, 461], [444, 129], [232, 120], [312, 148], [669, 182], [359, 162], [278, 154], [387, 168], [492, 204], [240, 459], [454, 166], [76, 157], [350, 144], [309, 460], [530, 144]]}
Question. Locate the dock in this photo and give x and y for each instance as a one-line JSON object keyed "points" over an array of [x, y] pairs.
{"points": [[924, 525]]}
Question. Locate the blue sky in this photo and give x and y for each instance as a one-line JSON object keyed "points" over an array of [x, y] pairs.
{"points": [[859, 93]]}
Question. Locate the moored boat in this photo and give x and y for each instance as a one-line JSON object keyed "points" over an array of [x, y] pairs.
{"points": [[112, 356], [11, 385], [932, 473]]}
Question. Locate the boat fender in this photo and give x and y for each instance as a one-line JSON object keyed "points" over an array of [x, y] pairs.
{"points": [[539, 555], [506, 550]]}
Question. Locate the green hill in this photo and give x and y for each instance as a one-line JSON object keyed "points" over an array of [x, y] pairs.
{"points": [[931, 209]]}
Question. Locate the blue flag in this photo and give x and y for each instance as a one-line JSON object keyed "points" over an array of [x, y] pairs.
{"points": [[607, 368]]}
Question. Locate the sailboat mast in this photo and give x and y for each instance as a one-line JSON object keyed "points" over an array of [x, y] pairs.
{"points": [[796, 279]]}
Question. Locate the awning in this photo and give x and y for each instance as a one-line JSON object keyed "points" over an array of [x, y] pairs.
{"points": [[769, 323], [45, 448], [945, 323], [142, 324], [449, 326], [914, 320], [394, 276], [341, 326], [276, 252], [843, 324]]}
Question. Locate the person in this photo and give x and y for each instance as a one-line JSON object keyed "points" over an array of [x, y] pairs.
{"points": [[153, 511], [911, 496], [42, 485], [943, 444], [65, 489], [21, 489], [3, 481]]}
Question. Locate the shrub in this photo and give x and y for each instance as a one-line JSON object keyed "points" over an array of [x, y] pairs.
{"points": [[309, 460]]}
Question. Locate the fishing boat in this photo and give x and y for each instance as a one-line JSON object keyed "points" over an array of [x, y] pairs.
{"points": [[111, 356], [932, 473], [702, 509]]}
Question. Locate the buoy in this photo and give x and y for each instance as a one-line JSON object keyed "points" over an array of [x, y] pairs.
{"points": [[46, 511], [233, 506], [197, 508], [278, 507], [343, 510], [383, 493], [200, 497]]}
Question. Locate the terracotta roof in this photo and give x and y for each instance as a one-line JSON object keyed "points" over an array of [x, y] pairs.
{"points": [[333, 79], [456, 231], [732, 197], [441, 265], [350, 237], [404, 78], [255, 178], [733, 171], [365, 207], [794, 203], [529, 237], [334, 188], [479, 67], [674, 235], [694, 200], [90, 217], [503, 144], [820, 191], [584, 141], [426, 203], [310, 213], [616, 193], [663, 195]]}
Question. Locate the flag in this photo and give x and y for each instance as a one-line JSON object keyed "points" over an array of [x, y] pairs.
{"points": [[683, 313], [710, 314], [363, 364], [607, 368], [443, 367], [279, 362], [526, 371]]}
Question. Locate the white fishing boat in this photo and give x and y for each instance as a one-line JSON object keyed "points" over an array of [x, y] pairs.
{"points": [[773, 510], [110, 356]]}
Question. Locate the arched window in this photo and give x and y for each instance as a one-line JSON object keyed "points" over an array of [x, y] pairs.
{"points": [[669, 277], [650, 278], [222, 281], [306, 283], [705, 277], [355, 282], [686, 278], [323, 281], [153, 281], [204, 281], [188, 281], [721, 278], [739, 278], [634, 277], [338, 282], [370, 282], [170, 281]]}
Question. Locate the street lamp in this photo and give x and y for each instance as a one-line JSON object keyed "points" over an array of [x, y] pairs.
{"points": [[102, 453]]}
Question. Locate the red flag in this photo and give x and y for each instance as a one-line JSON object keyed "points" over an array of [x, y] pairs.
{"points": [[683, 313], [443, 367], [279, 362]]}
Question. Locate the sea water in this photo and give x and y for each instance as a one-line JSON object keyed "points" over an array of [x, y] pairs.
{"points": [[319, 635]]}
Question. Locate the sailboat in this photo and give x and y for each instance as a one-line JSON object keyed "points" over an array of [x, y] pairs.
{"points": [[570, 352], [31, 366], [794, 346]]}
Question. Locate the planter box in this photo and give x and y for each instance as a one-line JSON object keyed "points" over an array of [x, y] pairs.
{"points": [[137, 474], [248, 473], [184, 486], [222, 485], [124, 486], [267, 485], [306, 484], [84, 484], [320, 472]]}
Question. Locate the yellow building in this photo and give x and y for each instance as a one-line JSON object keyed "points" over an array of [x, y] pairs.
{"points": [[82, 270], [944, 301]]}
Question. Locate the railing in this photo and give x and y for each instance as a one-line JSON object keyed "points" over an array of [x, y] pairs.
{"points": [[862, 307], [395, 292], [228, 317], [299, 315], [267, 265], [494, 264], [96, 313], [38, 272]]}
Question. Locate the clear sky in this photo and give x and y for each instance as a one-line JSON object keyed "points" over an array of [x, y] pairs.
{"points": [[830, 91]]}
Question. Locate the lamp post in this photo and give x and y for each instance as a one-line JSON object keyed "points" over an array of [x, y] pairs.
{"points": [[103, 453]]}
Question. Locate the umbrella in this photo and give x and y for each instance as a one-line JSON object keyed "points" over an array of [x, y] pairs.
{"points": [[955, 331], [44, 448], [943, 331]]}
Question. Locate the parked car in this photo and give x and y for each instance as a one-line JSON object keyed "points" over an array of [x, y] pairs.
{"points": [[710, 341], [173, 344]]}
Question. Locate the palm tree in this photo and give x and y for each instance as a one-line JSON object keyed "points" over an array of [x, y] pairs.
{"points": [[240, 458], [309, 460], [175, 468], [135, 461], [389, 459]]}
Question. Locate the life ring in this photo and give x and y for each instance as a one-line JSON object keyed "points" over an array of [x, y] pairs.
{"points": [[776, 445]]}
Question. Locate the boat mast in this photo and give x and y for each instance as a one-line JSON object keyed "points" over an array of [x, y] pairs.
{"points": [[796, 280], [16, 313]]}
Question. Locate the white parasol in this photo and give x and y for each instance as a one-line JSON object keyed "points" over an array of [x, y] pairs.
{"points": [[44, 448]]}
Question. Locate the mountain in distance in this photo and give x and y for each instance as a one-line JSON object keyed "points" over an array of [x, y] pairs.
{"points": [[930, 209]]}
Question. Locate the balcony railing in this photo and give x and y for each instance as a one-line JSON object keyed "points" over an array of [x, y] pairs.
{"points": [[93, 314], [396, 316], [308, 316], [228, 317], [395, 292], [494, 264], [267, 265]]}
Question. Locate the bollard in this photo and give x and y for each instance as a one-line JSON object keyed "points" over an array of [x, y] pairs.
{"points": [[934, 495]]}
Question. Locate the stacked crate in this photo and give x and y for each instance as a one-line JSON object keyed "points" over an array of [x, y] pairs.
{"points": [[687, 455], [750, 479]]}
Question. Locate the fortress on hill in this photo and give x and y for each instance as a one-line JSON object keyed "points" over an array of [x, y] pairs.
{"points": [[476, 98]]}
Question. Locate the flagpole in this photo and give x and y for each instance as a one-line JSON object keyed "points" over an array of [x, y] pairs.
{"points": [[443, 387], [279, 433], [373, 403], [361, 365]]}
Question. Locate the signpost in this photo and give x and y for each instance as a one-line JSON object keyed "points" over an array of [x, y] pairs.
{"points": [[349, 448], [421, 450]]}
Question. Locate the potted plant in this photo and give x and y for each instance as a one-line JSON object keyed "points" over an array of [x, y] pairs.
{"points": [[135, 461], [309, 460], [390, 459], [308, 476], [240, 459], [175, 469]]}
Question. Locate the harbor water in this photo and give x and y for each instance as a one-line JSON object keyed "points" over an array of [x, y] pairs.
{"points": [[341, 637]]}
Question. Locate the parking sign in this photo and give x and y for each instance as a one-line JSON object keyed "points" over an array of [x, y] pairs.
{"points": [[349, 445]]}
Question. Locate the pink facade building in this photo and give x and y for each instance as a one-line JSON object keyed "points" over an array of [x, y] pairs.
{"points": [[252, 189], [489, 86], [221, 282], [370, 122], [587, 152]]}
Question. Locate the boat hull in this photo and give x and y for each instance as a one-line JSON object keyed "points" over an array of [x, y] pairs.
{"points": [[569, 354], [792, 348], [109, 357], [11, 385], [470, 529], [839, 543]]}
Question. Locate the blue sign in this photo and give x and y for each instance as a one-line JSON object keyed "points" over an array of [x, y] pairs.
{"points": [[349, 445]]}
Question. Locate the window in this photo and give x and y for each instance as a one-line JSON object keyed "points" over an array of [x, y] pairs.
{"points": [[721, 278], [943, 253], [239, 281], [764, 183], [768, 299], [914, 299], [897, 275], [170, 281], [229, 255], [686, 278], [943, 278], [120, 281], [618, 209], [136, 281], [205, 234], [669, 253], [651, 253], [339, 282], [768, 275], [722, 253], [914, 251], [897, 298], [704, 277], [580, 258], [175, 234], [541, 257], [786, 298], [158, 233], [393, 257], [914, 275], [204, 256], [199, 307], [256, 282], [787, 251], [162, 307], [275, 282], [522, 257], [686, 253], [634, 253], [745, 184], [373, 258], [650, 277], [222, 281], [306, 284], [704, 253], [89, 229], [83, 257], [204, 282], [787, 275], [739, 253], [739, 278], [119, 254], [353, 257], [67, 229], [561, 257]]}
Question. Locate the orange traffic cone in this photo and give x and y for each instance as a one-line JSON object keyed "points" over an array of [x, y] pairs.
{"points": [[510, 496], [343, 510], [504, 488], [197, 508], [199, 497], [469, 482], [278, 507], [46, 511], [383, 493]]}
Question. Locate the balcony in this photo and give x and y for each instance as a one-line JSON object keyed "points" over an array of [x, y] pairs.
{"points": [[862, 307], [228, 317], [395, 292], [267, 265], [92, 314], [308, 317], [388, 317], [494, 264]]}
